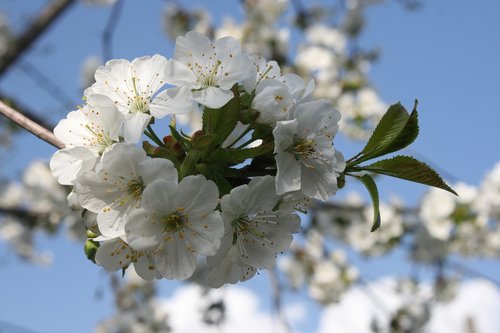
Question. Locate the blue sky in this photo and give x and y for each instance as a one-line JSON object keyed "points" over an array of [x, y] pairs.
{"points": [[445, 54]]}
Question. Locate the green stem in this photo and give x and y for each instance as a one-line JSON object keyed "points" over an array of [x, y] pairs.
{"points": [[354, 157], [248, 129], [246, 143], [150, 133]]}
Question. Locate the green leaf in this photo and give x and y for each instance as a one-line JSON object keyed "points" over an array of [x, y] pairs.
{"points": [[221, 122], [90, 249], [370, 185], [408, 168], [202, 141], [188, 166], [215, 172], [163, 152], [234, 155], [185, 143], [223, 184], [395, 131]]}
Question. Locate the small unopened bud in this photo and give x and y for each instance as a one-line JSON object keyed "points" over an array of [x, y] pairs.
{"points": [[248, 116], [90, 249], [177, 147], [197, 134], [168, 141], [341, 181]]}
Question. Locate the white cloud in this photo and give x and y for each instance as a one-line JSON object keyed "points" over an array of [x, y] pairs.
{"points": [[476, 299], [244, 313]]}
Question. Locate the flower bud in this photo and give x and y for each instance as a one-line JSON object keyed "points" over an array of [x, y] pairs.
{"points": [[168, 141], [90, 249]]}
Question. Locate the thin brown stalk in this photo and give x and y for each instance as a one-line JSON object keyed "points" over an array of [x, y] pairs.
{"points": [[36, 28], [29, 125]]}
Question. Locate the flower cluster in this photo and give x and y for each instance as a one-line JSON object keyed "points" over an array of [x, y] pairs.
{"points": [[228, 192]]}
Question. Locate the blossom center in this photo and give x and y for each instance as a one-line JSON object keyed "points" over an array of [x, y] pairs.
{"points": [[139, 104], [99, 139], [174, 222], [210, 79], [247, 228], [243, 225], [135, 188], [303, 149]]}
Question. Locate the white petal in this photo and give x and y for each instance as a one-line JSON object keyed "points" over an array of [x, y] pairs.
{"points": [[159, 197], [213, 97], [288, 177], [258, 255], [135, 124], [69, 163], [193, 44], [172, 101], [205, 233], [111, 220], [178, 74], [113, 254], [145, 267], [175, 261], [261, 194], [89, 188], [122, 160], [142, 231], [227, 267], [237, 70], [104, 113], [115, 81], [197, 195], [70, 130], [319, 182], [284, 134], [150, 74], [157, 169]]}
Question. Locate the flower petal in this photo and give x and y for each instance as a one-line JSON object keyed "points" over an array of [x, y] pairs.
{"points": [[213, 97], [142, 231], [135, 124], [204, 233], [157, 169], [69, 163], [172, 101], [288, 177], [175, 260], [197, 195]]}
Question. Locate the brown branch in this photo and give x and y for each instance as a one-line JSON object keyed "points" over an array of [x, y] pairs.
{"points": [[277, 301], [338, 206], [107, 35], [39, 25], [27, 218], [48, 85], [30, 125], [9, 100]]}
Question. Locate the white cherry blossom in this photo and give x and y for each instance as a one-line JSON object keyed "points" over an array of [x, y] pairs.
{"points": [[262, 70], [134, 88], [178, 222], [305, 157], [115, 189], [86, 133], [116, 254], [96, 126], [209, 69], [273, 100], [254, 232]]}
